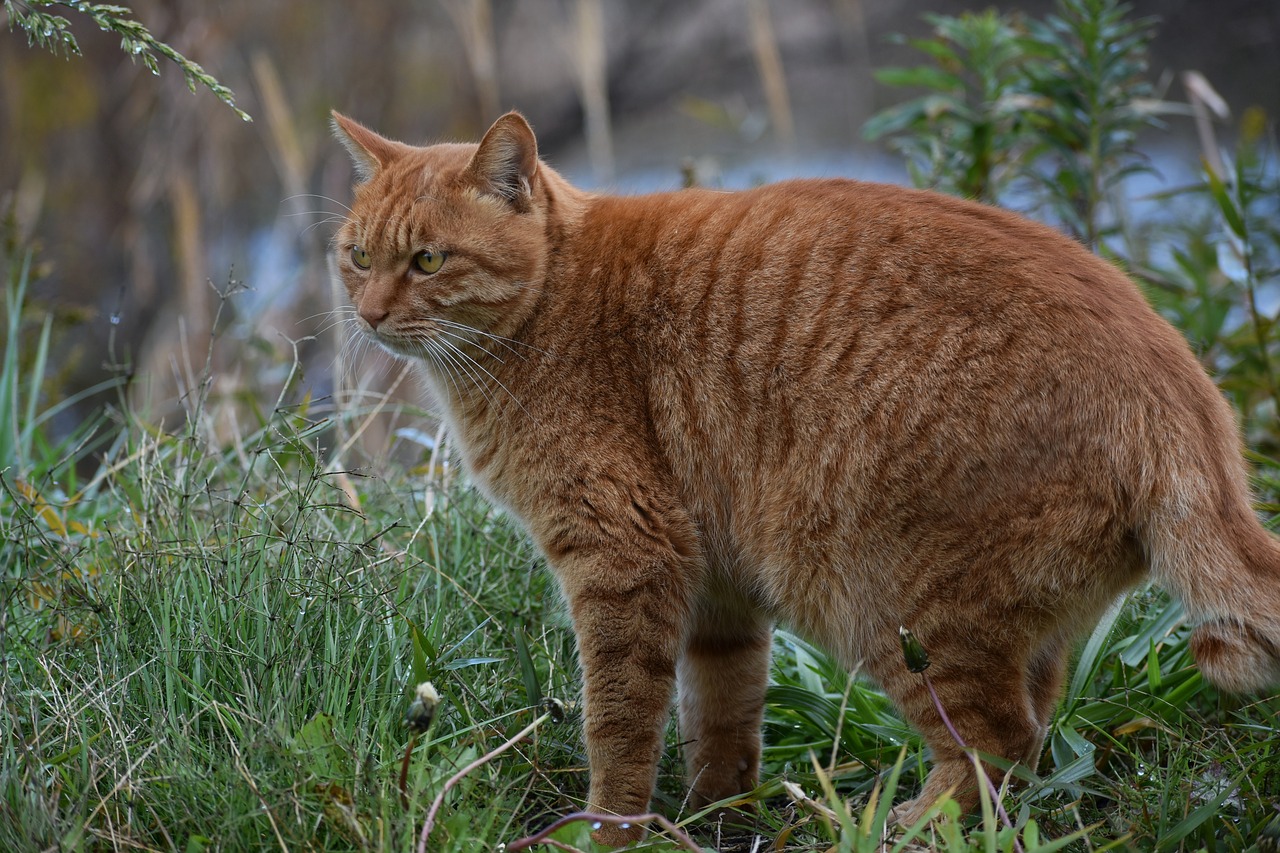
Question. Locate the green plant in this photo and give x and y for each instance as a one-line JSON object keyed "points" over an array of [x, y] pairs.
{"points": [[1220, 264], [967, 135], [1010, 104], [1090, 99], [53, 32], [212, 647], [25, 449]]}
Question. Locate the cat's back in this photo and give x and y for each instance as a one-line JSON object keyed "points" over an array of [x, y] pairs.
{"points": [[802, 267], [790, 236], [806, 334]]}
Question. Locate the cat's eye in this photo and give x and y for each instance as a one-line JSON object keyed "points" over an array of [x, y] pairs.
{"points": [[360, 257], [428, 261]]}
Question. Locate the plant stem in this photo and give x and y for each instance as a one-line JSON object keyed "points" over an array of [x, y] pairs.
{"points": [[991, 787], [404, 771], [430, 822], [1259, 323]]}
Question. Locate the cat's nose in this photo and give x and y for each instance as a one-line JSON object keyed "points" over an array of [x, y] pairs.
{"points": [[373, 314]]}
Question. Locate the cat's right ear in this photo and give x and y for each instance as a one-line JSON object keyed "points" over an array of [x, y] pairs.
{"points": [[370, 152], [506, 162]]}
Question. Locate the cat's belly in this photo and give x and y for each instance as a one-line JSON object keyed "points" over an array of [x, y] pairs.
{"points": [[815, 585]]}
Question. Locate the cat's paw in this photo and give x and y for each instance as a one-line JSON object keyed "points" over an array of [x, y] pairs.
{"points": [[617, 835], [908, 814]]}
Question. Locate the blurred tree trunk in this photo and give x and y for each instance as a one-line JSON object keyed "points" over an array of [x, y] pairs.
{"points": [[593, 86], [852, 15], [769, 61], [474, 20]]}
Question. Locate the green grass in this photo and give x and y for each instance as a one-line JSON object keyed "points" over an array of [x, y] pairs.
{"points": [[211, 648], [214, 647], [203, 646]]}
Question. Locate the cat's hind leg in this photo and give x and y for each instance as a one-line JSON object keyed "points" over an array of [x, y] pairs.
{"points": [[983, 689], [722, 677], [1045, 674]]}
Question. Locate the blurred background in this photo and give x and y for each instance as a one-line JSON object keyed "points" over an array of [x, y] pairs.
{"points": [[147, 203]]}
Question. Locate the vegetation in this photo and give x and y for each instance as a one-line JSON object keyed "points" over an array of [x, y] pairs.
{"points": [[52, 31], [212, 642]]}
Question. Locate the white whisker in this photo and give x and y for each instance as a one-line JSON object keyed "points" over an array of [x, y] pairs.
{"points": [[462, 338], [449, 356], [507, 342], [460, 353], [322, 198], [315, 225]]}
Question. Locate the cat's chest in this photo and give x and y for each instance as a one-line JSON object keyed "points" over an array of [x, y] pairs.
{"points": [[480, 452]]}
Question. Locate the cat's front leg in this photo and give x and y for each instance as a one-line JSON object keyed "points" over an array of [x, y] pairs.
{"points": [[629, 614]]}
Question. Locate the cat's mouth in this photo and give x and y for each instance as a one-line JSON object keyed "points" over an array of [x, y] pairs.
{"points": [[397, 344]]}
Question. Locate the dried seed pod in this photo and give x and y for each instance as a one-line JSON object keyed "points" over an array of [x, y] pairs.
{"points": [[423, 708], [913, 651]]}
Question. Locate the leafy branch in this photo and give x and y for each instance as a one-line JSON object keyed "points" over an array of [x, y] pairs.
{"points": [[53, 32], [1055, 103]]}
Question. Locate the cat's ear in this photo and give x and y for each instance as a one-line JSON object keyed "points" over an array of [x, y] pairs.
{"points": [[506, 162], [370, 151]]}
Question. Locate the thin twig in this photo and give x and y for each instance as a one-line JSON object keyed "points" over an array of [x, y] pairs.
{"points": [[430, 822], [544, 836]]}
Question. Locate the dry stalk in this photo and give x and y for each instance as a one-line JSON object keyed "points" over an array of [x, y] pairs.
{"points": [[764, 41], [593, 85]]}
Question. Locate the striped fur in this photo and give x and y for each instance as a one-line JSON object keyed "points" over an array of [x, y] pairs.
{"points": [[841, 406]]}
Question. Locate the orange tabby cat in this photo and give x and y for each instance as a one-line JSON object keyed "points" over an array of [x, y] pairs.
{"points": [[842, 406]]}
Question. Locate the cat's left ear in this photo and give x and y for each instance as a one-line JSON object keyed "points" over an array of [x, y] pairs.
{"points": [[506, 164]]}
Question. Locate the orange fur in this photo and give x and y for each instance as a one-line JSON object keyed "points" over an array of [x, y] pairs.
{"points": [[838, 405]]}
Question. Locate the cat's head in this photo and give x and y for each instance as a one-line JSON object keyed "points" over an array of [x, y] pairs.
{"points": [[443, 243]]}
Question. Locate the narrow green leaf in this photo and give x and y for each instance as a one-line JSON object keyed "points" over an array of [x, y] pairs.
{"points": [[465, 663], [1154, 630], [197, 844], [1226, 204], [1091, 656], [921, 76], [422, 653], [528, 673]]}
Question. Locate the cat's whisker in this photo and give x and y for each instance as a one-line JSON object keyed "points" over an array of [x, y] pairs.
{"points": [[341, 314], [459, 359], [335, 319], [321, 198], [445, 358], [507, 343], [466, 340], [475, 372], [331, 325], [315, 225], [445, 367], [486, 372], [357, 346], [330, 214]]}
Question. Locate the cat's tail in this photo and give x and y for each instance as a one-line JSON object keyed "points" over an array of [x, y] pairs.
{"points": [[1212, 552]]}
